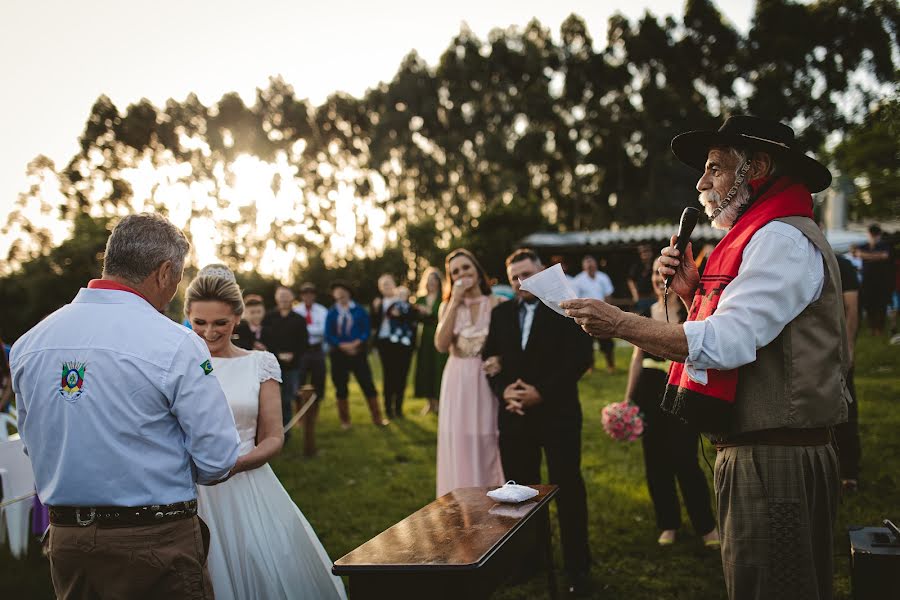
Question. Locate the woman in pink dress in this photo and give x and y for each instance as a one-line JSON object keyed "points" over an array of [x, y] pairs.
{"points": [[468, 453]]}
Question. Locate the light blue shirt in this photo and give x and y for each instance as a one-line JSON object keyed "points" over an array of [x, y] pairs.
{"points": [[117, 407], [781, 273]]}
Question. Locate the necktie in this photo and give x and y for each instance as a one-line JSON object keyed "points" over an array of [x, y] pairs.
{"points": [[526, 318], [345, 321], [308, 314]]}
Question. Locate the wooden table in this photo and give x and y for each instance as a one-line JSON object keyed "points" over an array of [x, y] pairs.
{"points": [[462, 545]]}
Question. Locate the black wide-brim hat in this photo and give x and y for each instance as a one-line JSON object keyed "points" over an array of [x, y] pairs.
{"points": [[754, 133]]}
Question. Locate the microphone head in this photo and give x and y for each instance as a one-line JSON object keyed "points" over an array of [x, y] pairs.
{"points": [[689, 219], [685, 228]]}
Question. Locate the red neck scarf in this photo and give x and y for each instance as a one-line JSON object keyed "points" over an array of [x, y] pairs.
{"points": [[709, 407], [106, 284]]}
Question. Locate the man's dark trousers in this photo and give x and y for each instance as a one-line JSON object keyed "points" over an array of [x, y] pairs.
{"points": [[521, 440]]}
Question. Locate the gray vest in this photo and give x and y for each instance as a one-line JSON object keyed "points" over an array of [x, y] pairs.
{"points": [[799, 380]]}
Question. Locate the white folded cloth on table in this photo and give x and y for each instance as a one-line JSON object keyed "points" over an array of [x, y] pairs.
{"points": [[512, 493]]}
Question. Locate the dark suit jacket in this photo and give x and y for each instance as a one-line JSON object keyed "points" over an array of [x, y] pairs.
{"points": [[243, 336], [558, 353], [285, 334], [407, 323]]}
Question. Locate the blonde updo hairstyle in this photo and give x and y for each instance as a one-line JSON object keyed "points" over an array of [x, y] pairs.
{"points": [[208, 288]]}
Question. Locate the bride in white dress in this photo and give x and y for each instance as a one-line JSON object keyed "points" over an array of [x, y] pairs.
{"points": [[261, 545]]}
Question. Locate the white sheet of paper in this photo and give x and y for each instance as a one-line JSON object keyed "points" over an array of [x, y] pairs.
{"points": [[551, 286]]}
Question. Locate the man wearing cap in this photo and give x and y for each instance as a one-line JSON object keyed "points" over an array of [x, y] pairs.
{"points": [[284, 334], [761, 362], [347, 330], [122, 417], [312, 361]]}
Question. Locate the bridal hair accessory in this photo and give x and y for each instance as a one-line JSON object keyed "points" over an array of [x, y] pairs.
{"points": [[622, 421], [512, 493], [218, 271]]}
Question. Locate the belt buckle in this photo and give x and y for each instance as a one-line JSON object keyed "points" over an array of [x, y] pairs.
{"points": [[83, 523]]}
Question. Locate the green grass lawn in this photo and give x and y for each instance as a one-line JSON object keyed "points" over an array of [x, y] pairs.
{"points": [[366, 479]]}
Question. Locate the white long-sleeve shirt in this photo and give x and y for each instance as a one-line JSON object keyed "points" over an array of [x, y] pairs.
{"points": [[316, 329], [117, 405], [600, 286], [781, 273]]}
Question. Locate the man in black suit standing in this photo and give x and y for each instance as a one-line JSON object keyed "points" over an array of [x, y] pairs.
{"points": [[535, 358]]}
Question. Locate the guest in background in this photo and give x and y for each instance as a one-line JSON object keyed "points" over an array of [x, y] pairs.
{"points": [[394, 349], [877, 279], [312, 361], [594, 283], [429, 362], [640, 282], [852, 255], [5, 381], [535, 359], [346, 333], [467, 452], [284, 335], [248, 333], [403, 318], [558, 259], [702, 256], [846, 435], [894, 306], [670, 446]]}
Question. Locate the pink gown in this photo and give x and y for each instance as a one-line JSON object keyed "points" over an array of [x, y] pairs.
{"points": [[468, 453]]}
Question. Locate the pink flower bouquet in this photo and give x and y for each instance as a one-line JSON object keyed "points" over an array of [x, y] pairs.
{"points": [[622, 421]]}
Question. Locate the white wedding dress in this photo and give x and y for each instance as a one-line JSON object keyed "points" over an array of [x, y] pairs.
{"points": [[261, 546]]}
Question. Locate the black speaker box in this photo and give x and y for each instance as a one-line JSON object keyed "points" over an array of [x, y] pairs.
{"points": [[874, 563]]}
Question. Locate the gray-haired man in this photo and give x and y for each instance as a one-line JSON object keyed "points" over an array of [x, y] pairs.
{"points": [[122, 419], [761, 362]]}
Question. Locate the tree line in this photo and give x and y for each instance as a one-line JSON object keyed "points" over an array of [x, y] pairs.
{"points": [[504, 136]]}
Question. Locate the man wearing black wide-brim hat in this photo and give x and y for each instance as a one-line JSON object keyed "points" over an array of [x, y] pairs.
{"points": [[760, 364]]}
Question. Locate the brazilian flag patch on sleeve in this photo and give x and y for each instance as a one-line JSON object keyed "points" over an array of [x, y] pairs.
{"points": [[207, 367]]}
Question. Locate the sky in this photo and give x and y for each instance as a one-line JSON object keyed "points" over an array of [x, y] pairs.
{"points": [[57, 57]]}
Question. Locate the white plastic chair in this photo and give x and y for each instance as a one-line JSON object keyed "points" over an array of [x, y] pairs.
{"points": [[5, 421], [17, 482]]}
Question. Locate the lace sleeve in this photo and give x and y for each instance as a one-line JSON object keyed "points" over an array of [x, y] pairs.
{"points": [[268, 367]]}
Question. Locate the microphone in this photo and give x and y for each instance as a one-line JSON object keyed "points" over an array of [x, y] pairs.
{"points": [[685, 228]]}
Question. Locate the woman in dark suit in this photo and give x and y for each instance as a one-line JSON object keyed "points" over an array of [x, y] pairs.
{"points": [[670, 446], [392, 321], [429, 362]]}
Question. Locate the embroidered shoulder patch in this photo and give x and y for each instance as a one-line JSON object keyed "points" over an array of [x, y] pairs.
{"points": [[207, 367], [71, 386]]}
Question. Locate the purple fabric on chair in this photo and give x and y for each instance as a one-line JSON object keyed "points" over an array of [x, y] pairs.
{"points": [[40, 517]]}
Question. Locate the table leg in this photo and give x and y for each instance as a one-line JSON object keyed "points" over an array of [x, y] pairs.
{"points": [[548, 544]]}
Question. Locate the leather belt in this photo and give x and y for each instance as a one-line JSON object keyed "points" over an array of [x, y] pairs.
{"points": [[121, 516], [782, 436]]}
